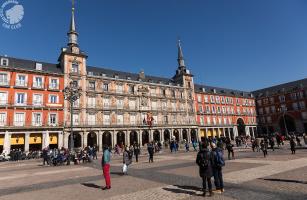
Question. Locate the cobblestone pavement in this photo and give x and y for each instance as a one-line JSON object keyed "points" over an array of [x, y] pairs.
{"points": [[172, 176]]}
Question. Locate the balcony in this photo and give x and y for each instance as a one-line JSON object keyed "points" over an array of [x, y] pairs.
{"points": [[37, 85], [4, 83], [22, 84], [53, 86], [91, 105]]}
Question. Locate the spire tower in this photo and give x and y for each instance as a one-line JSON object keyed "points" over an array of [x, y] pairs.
{"points": [[72, 33], [180, 56]]}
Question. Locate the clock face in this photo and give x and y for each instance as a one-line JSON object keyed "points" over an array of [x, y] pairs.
{"points": [[75, 50]]}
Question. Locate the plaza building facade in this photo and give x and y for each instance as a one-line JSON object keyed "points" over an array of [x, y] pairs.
{"points": [[224, 112], [282, 108], [31, 104], [115, 107]]}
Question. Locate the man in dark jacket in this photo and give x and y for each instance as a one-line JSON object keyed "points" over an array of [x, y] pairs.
{"points": [[205, 161], [219, 162], [150, 149], [136, 151]]}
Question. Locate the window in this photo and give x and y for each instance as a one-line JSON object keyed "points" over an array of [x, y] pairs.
{"points": [[132, 104], [214, 120], [222, 100], [106, 102], [302, 105], [164, 92], [3, 98], [53, 99], [173, 106], [21, 80], [131, 89], [4, 61], [293, 96], [119, 88], [295, 106], [2, 119], [37, 119], [154, 105], [75, 118], [19, 119], [153, 91], [91, 119], [106, 119], [53, 83], [207, 109], [217, 99], [212, 100], [272, 100], [38, 82], [105, 87], [91, 85], [165, 119], [75, 67], [199, 98], [206, 99], [267, 110], [273, 109], [219, 109], [163, 105], [120, 103], [39, 66], [120, 119], [91, 102], [132, 120], [173, 93], [220, 120], [53, 119], [37, 99], [282, 98], [202, 121], [4, 79], [208, 120], [238, 111], [213, 109], [20, 98]]}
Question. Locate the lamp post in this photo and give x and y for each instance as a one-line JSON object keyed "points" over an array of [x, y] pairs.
{"points": [[284, 110], [72, 93]]}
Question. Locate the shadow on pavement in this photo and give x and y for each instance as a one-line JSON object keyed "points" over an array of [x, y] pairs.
{"points": [[284, 180], [183, 189], [91, 185]]}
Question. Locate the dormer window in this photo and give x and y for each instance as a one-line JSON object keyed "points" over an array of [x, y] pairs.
{"points": [[4, 62], [39, 66], [128, 78], [75, 67], [91, 73], [116, 76]]}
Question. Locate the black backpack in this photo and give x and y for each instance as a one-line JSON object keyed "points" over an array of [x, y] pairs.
{"points": [[204, 160]]}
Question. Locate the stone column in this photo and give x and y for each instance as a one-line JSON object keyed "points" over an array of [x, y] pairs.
{"points": [[140, 137], [99, 141], [65, 139], [114, 138], [198, 134], [150, 135], [7, 142], [127, 138], [27, 142], [83, 139], [60, 139]]}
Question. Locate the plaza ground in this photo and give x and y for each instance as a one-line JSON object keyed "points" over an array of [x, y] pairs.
{"points": [[172, 176]]}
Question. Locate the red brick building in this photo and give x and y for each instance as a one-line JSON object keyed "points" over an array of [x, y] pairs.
{"points": [[31, 104], [282, 108], [225, 112]]}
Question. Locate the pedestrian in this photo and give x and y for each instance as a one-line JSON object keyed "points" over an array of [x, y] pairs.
{"points": [[218, 163], [45, 156], [272, 143], [264, 148], [187, 146], [127, 160], [205, 161], [136, 150], [229, 148], [194, 143], [150, 149], [292, 145], [105, 162]]}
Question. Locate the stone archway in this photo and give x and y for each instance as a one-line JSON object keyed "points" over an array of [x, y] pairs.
{"points": [[289, 121], [156, 136], [107, 139], [77, 140], [145, 137], [241, 127], [92, 139], [167, 135], [194, 135], [121, 139], [133, 137], [185, 135], [176, 135]]}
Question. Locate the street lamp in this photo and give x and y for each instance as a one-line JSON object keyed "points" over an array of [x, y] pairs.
{"points": [[284, 110], [72, 93]]}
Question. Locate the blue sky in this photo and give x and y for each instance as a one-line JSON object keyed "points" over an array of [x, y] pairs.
{"points": [[239, 44]]}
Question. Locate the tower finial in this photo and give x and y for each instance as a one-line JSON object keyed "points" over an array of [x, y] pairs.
{"points": [[180, 58], [72, 33]]}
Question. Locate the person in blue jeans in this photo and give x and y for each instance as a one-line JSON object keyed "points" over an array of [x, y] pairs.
{"points": [[217, 166]]}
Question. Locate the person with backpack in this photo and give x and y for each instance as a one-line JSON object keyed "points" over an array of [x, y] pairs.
{"points": [[150, 149], [127, 160], [218, 163], [229, 148], [205, 162], [105, 162]]}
